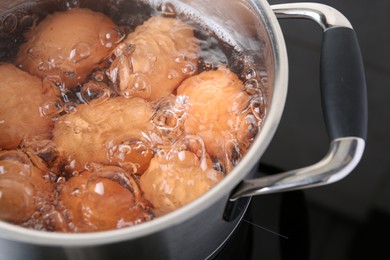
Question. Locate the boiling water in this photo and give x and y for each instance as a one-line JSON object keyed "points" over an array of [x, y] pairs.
{"points": [[167, 138]]}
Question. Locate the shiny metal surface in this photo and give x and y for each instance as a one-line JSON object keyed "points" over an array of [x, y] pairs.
{"points": [[195, 238], [344, 153], [327, 17], [343, 156]]}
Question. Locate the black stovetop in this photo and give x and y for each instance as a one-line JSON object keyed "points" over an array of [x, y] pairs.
{"points": [[288, 226]]}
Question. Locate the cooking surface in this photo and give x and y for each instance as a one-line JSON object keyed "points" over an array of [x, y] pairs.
{"points": [[348, 219]]}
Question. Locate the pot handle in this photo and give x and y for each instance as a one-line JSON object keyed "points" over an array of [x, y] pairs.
{"points": [[344, 103]]}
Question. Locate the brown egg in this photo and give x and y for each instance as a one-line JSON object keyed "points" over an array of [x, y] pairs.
{"points": [[96, 201], [22, 187], [155, 58], [112, 132], [66, 46], [174, 180], [26, 108], [219, 112]]}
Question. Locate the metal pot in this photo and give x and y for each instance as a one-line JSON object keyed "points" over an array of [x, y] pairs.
{"points": [[198, 229]]}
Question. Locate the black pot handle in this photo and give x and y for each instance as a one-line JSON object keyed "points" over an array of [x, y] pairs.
{"points": [[344, 102], [343, 85]]}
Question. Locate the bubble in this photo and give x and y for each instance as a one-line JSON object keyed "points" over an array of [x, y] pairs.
{"points": [[189, 68], [50, 176], [77, 130], [65, 97], [111, 37], [53, 89], [126, 94], [98, 76], [137, 84], [165, 120], [140, 84], [192, 143], [131, 152], [258, 107], [251, 86], [91, 129], [130, 166], [123, 49], [43, 66], [31, 52], [70, 107], [125, 148], [79, 52], [169, 116], [10, 23], [252, 124], [173, 74], [26, 22], [61, 180], [180, 59], [250, 73], [51, 108], [72, 4], [264, 81], [95, 90], [167, 9], [113, 173], [55, 61], [53, 85]]}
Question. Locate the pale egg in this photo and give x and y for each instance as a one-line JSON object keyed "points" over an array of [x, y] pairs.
{"points": [[219, 112], [27, 108], [113, 132], [174, 180], [153, 60], [66, 46], [103, 199]]}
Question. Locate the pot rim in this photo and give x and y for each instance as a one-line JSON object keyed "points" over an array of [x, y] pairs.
{"points": [[222, 189]]}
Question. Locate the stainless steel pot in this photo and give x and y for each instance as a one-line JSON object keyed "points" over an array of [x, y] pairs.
{"points": [[201, 227]]}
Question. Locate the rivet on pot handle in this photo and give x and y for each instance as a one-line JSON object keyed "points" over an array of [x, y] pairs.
{"points": [[344, 103]]}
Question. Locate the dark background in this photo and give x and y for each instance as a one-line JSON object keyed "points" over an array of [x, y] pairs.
{"points": [[349, 219]]}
